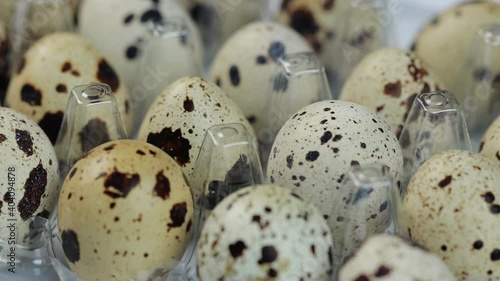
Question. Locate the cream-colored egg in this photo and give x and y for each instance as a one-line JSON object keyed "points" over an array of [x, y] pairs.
{"points": [[245, 64], [125, 213], [392, 258], [49, 71], [452, 208], [179, 119], [29, 173], [387, 81], [265, 233], [443, 44]]}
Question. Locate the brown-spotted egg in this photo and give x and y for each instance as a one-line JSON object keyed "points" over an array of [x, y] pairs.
{"points": [[318, 145], [443, 44], [490, 144], [452, 207], [246, 62], [179, 118], [50, 69], [29, 172], [387, 81], [125, 213], [392, 258], [265, 233]]}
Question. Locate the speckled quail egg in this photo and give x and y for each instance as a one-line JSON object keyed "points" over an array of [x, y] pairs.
{"points": [[126, 30], [125, 213], [444, 42], [264, 233], [452, 208], [317, 146], [30, 175], [490, 144], [387, 81], [392, 258], [315, 20], [179, 118], [49, 71], [245, 63]]}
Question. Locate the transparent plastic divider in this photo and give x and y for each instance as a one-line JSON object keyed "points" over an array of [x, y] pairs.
{"points": [[27, 255], [169, 55], [299, 80], [370, 205], [33, 19], [478, 84], [228, 161], [363, 27], [435, 123]]}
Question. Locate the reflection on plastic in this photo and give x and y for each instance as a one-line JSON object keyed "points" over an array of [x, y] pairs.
{"points": [[370, 205], [478, 83], [299, 80], [435, 123], [169, 55], [228, 161]]}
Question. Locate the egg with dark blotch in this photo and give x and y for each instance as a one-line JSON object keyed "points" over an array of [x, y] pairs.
{"points": [[452, 207], [30, 173], [126, 33], [246, 63], [180, 117], [490, 144], [50, 69], [317, 146], [265, 232], [125, 213]]}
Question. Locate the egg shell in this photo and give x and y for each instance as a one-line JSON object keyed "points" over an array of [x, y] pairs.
{"points": [[51, 68], [126, 30], [315, 21], [392, 258], [264, 233], [444, 43], [452, 208], [245, 64], [317, 146], [30, 172], [490, 144], [179, 119], [387, 82], [125, 213]]}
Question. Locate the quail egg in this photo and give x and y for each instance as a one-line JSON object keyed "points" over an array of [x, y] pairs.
{"points": [[452, 208], [264, 233], [245, 63], [387, 81], [179, 118], [490, 145], [444, 42], [126, 30], [317, 146], [29, 173], [392, 258], [50, 69], [125, 213], [315, 21]]}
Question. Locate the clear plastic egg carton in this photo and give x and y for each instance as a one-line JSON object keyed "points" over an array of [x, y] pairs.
{"points": [[231, 156]]}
